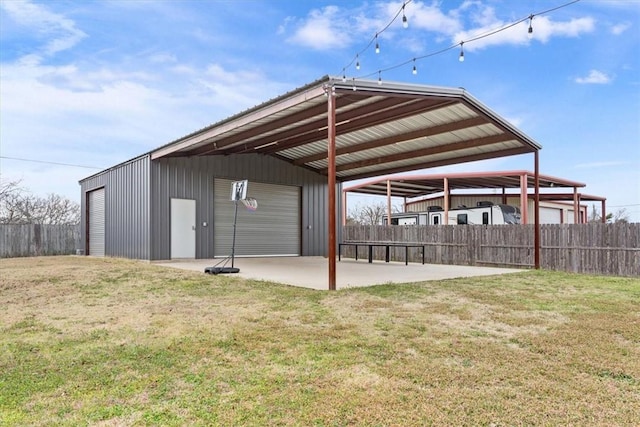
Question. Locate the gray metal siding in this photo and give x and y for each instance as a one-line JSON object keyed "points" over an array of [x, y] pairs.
{"points": [[193, 178], [127, 201]]}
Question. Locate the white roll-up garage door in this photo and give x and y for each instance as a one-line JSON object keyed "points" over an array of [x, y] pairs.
{"points": [[96, 222], [272, 229], [550, 216]]}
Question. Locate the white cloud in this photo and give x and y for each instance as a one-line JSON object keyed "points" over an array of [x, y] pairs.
{"points": [[431, 18], [594, 77], [59, 32], [545, 28], [620, 28], [499, 32], [163, 58], [323, 29]]}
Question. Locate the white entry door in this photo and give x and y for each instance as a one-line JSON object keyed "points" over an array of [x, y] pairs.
{"points": [[183, 228]]}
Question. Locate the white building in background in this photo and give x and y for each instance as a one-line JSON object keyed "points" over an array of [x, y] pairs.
{"points": [[559, 199]]}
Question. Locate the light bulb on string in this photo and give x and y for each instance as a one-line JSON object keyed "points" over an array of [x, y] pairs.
{"points": [[377, 45], [344, 76], [415, 70], [357, 62], [530, 32], [379, 79], [354, 84], [461, 57], [405, 21]]}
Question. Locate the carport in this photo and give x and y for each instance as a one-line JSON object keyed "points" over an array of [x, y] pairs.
{"points": [[417, 186], [355, 129]]}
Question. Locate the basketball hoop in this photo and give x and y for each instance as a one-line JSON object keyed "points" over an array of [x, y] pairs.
{"points": [[238, 192], [250, 203]]}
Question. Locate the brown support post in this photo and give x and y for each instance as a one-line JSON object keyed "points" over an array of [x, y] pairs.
{"points": [[524, 198], [504, 195], [536, 203], [576, 206], [344, 208], [446, 201], [604, 213], [331, 182], [388, 202]]}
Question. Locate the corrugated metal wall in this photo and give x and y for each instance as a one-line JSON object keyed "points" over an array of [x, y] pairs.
{"points": [[193, 178], [273, 229], [127, 201]]}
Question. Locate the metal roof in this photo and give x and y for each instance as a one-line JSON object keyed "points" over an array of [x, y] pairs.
{"points": [[380, 129], [411, 186]]}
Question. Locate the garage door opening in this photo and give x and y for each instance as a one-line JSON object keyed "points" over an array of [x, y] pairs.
{"points": [[271, 230]]}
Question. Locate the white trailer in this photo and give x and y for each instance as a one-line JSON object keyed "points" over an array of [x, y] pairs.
{"points": [[485, 213]]}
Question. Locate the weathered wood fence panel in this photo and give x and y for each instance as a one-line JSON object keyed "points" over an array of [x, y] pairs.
{"points": [[21, 240], [607, 249]]}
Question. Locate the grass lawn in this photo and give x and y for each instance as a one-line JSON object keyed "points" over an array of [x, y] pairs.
{"points": [[117, 342]]}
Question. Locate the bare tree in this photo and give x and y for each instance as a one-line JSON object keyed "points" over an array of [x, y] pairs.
{"points": [[19, 206], [10, 194], [621, 215], [369, 214]]}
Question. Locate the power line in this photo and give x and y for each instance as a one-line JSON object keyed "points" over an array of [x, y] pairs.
{"points": [[454, 46], [624, 206], [49, 163]]}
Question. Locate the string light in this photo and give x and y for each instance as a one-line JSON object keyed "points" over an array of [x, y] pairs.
{"points": [[356, 59], [405, 22], [354, 84], [344, 76], [379, 79]]}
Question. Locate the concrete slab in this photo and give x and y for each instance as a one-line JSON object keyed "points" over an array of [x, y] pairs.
{"points": [[313, 272]]}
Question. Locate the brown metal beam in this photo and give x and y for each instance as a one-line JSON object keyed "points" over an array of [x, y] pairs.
{"points": [[427, 165], [361, 118], [310, 131], [430, 151], [241, 120], [248, 135], [500, 125], [421, 133]]}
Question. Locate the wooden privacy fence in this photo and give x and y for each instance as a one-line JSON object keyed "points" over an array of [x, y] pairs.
{"points": [[20, 240], [607, 249]]}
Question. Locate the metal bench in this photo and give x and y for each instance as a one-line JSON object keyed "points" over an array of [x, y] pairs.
{"points": [[386, 245]]}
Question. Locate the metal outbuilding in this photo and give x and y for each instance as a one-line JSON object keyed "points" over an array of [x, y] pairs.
{"points": [[297, 149]]}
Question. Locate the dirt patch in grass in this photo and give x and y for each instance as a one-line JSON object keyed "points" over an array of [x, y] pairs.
{"points": [[118, 342]]}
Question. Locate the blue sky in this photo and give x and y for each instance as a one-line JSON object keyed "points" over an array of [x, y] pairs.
{"points": [[95, 83]]}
